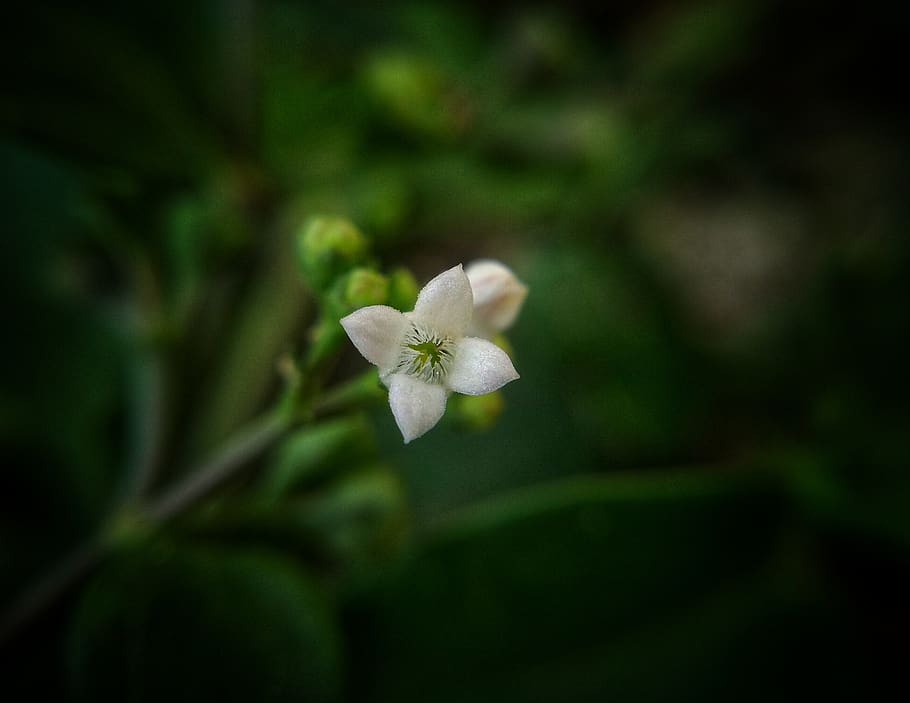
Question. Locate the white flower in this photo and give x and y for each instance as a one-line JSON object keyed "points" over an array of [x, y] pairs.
{"points": [[423, 355], [498, 297]]}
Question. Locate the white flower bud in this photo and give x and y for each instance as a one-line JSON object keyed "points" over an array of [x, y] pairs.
{"points": [[498, 296]]}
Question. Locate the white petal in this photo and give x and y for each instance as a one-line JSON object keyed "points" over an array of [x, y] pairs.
{"points": [[446, 303], [479, 367], [498, 294], [377, 332], [417, 406]]}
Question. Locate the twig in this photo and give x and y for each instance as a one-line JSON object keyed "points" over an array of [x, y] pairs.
{"points": [[359, 391], [237, 452], [47, 591], [245, 446]]}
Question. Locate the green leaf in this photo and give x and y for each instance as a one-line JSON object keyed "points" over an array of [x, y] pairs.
{"points": [[355, 521], [87, 84], [63, 370], [313, 452], [559, 584], [176, 623], [262, 328], [363, 517], [694, 44]]}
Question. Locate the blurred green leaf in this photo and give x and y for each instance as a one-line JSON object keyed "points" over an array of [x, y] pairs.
{"points": [[866, 497], [313, 452], [355, 521], [121, 104], [63, 369], [190, 138], [519, 584], [363, 517], [244, 369], [416, 94], [383, 199], [484, 193], [692, 44], [180, 623], [619, 365]]}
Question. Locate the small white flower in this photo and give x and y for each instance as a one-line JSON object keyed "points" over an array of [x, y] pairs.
{"points": [[423, 355], [498, 297]]}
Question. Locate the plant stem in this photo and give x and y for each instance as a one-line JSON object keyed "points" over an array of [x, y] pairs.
{"points": [[242, 448], [51, 588], [358, 392], [238, 451]]}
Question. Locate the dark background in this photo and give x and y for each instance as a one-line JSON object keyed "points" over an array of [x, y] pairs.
{"points": [[698, 490]]}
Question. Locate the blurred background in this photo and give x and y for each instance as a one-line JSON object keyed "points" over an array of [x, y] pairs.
{"points": [[698, 490]]}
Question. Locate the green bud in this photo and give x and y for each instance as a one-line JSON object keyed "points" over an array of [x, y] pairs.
{"points": [[477, 412], [328, 247], [501, 341], [359, 288], [364, 287], [403, 289], [414, 93]]}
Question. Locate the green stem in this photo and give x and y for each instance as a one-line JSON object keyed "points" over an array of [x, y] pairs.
{"points": [[242, 448], [69, 572], [239, 450], [360, 391], [224, 464]]}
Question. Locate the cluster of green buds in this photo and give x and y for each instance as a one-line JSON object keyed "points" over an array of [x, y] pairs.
{"points": [[334, 258]]}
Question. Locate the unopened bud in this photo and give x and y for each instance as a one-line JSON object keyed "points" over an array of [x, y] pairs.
{"points": [[477, 412], [364, 287], [328, 247], [403, 289], [498, 296], [417, 95]]}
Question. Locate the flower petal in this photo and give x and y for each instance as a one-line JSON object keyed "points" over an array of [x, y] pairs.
{"points": [[417, 406], [479, 367], [446, 303], [377, 332]]}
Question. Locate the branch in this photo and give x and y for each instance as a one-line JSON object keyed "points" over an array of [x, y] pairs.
{"points": [[237, 452], [245, 446], [50, 589]]}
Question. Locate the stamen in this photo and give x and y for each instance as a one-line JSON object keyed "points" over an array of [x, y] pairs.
{"points": [[426, 354]]}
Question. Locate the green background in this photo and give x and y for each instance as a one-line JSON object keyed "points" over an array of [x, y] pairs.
{"points": [[698, 489]]}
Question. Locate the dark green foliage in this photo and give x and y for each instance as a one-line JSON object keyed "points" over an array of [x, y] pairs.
{"points": [[698, 489], [666, 588], [180, 623]]}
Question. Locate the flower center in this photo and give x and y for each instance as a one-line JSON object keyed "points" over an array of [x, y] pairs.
{"points": [[426, 354]]}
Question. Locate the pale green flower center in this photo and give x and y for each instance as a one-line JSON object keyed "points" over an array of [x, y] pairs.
{"points": [[426, 354]]}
